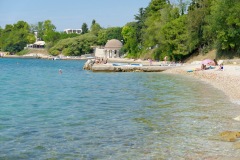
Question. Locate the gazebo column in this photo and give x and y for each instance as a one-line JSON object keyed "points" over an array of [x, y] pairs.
{"points": [[117, 53]]}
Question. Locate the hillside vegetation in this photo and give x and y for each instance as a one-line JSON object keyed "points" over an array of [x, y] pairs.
{"points": [[178, 31]]}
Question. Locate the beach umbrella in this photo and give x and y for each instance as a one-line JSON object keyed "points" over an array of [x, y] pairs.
{"points": [[207, 61]]}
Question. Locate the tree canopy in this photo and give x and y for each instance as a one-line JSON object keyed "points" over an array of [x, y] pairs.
{"points": [[225, 24], [15, 37], [84, 28], [178, 31], [76, 46]]}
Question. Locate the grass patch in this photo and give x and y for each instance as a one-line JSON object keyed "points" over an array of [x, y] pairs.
{"points": [[23, 52]]}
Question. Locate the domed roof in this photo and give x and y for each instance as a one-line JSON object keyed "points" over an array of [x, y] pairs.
{"points": [[113, 44]]}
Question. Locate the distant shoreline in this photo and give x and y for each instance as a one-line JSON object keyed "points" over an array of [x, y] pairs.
{"points": [[42, 57]]}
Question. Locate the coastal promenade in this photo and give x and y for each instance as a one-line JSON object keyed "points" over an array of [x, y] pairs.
{"points": [[128, 68], [128, 65], [45, 56]]}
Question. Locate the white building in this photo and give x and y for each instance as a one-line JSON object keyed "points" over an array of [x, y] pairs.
{"points": [[38, 43], [69, 31], [110, 50]]}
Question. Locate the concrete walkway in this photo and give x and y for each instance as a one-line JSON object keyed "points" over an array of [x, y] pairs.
{"points": [[128, 68]]}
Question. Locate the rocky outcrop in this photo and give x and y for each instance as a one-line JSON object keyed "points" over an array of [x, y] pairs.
{"points": [[88, 65], [230, 136]]}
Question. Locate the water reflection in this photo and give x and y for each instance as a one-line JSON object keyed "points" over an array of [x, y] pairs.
{"points": [[185, 116]]}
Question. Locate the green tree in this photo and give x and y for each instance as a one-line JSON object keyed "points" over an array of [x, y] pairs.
{"points": [[129, 33], [84, 28], [140, 18], [93, 21], [114, 33], [39, 28], [50, 35], [5, 36], [75, 46], [95, 28], [182, 5], [175, 39], [48, 26], [15, 37], [1, 30], [110, 33], [199, 37], [102, 37], [225, 24], [64, 35], [160, 14], [153, 22]]}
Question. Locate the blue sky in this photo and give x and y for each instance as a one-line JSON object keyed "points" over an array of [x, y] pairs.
{"points": [[70, 13]]}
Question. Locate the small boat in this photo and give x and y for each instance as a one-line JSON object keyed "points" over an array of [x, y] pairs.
{"points": [[119, 64], [90, 57], [124, 64], [56, 58], [136, 64]]}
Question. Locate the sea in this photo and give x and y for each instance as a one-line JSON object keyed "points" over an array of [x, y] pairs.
{"points": [[77, 114]]}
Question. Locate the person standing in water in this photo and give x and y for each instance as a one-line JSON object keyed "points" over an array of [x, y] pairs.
{"points": [[60, 71]]}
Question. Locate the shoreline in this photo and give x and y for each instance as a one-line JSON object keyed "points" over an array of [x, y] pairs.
{"points": [[227, 81]]}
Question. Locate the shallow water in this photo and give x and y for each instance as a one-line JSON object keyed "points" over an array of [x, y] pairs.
{"points": [[83, 115]]}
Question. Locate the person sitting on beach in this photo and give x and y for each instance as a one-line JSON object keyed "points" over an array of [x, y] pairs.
{"points": [[165, 59], [150, 61], [220, 67], [215, 62], [203, 67], [101, 60], [97, 60], [105, 61]]}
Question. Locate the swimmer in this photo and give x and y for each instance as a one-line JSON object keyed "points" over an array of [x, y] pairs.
{"points": [[60, 71]]}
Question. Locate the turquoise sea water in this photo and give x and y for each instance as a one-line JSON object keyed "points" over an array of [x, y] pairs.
{"points": [[117, 116]]}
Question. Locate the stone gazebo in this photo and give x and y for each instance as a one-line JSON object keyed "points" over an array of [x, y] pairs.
{"points": [[110, 50]]}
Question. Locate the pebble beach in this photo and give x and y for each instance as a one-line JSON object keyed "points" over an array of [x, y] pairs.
{"points": [[228, 80]]}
